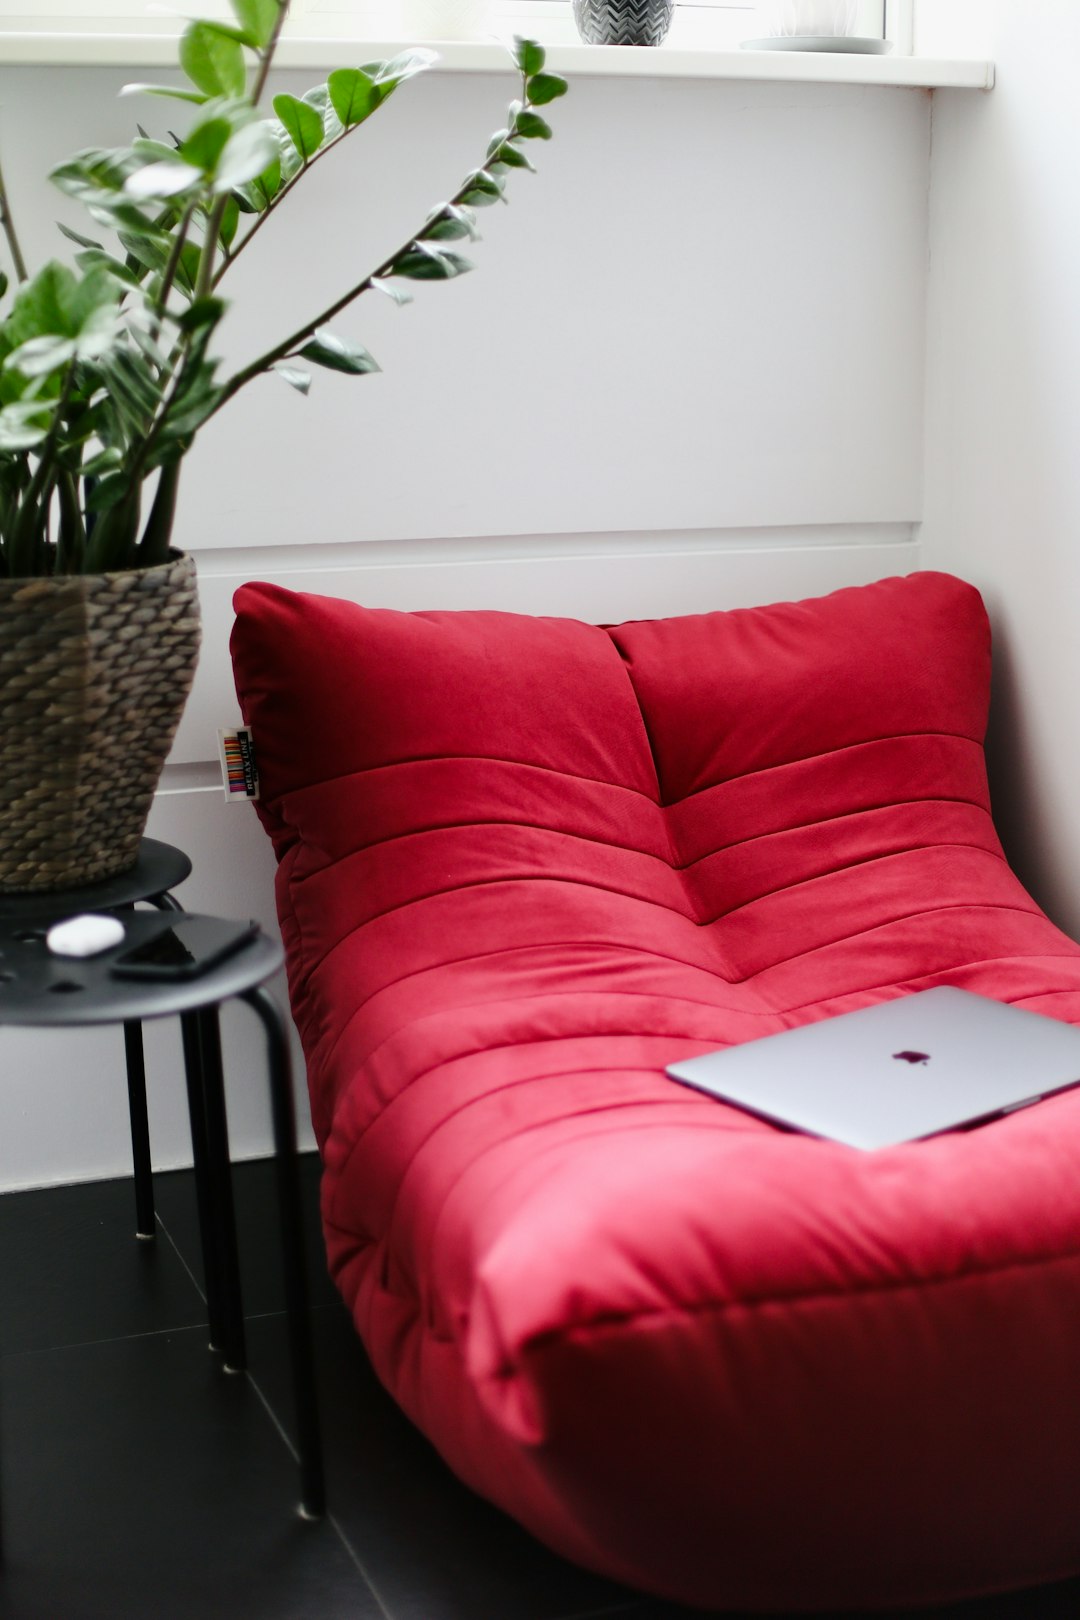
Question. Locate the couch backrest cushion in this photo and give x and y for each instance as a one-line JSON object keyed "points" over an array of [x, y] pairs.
{"points": [[789, 800]]}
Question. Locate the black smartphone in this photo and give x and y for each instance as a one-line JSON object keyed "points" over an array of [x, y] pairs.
{"points": [[187, 947]]}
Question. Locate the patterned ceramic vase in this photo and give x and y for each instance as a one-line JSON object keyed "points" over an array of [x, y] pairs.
{"points": [[623, 22]]}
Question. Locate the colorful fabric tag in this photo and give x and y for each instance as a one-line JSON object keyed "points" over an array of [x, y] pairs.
{"points": [[238, 768]]}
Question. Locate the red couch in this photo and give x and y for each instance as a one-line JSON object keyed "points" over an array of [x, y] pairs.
{"points": [[525, 863]]}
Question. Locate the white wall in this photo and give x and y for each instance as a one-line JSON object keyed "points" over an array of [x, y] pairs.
{"points": [[688, 371], [1003, 410]]}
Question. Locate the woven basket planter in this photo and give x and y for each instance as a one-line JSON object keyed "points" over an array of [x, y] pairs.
{"points": [[94, 673]]}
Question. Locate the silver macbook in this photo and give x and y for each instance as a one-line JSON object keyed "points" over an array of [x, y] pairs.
{"points": [[903, 1069]]}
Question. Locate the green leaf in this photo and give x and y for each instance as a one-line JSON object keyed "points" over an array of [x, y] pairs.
{"points": [[149, 151], [353, 95], [303, 123], [149, 252], [530, 126], [171, 90], [389, 75], [248, 153], [319, 99], [205, 144], [230, 220], [263, 189], [22, 430], [213, 59], [336, 353], [73, 236], [100, 332], [420, 263], [481, 189], [528, 55], [398, 294], [449, 224], [98, 259], [40, 355], [106, 492], [43, 306], [510, 158], [187, 271], [3, 284], [545, 87], [144, 342], [300, 380], [256, 18], [204, 312], [289, 157], [162, 180], [94, 292]]}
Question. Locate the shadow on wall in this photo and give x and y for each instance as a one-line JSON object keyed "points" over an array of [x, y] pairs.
{"points": [[1018, 792]]}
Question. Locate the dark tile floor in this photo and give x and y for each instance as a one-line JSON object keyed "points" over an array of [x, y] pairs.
{"points": [[141, 1481]]}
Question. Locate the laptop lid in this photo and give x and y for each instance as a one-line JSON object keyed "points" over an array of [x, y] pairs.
{"points": [[897, 1071]]}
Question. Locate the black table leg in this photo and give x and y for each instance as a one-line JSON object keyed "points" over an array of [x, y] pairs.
{"points": [[204, 1191], [145, 1226], [309, 1439], [220, 1177]]}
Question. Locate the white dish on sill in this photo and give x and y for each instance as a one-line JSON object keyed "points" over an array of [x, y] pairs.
{"points": [[852, 44]]}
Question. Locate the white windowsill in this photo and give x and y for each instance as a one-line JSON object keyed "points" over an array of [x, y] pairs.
{"points": [[73, 49]]}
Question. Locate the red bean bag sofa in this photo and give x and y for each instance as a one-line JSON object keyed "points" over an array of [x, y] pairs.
{"points": [[527, 862]]}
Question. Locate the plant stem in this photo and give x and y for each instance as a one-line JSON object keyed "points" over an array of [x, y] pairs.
{"points": [[154, 545], [285, 191], [291, 343], [280, 350], [171, 267], [268, 53], [40, 488], [204, 284], [71, 534], [9, 231]]}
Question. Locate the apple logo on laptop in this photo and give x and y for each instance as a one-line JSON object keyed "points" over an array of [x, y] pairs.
{"points": [[913, 1057]]}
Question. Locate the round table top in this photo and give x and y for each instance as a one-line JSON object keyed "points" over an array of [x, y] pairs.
{"points": [[158, 868], [40, 989]]}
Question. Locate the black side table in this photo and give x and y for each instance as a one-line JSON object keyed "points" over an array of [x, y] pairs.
{"points": [[158, 869], [40, 990]]}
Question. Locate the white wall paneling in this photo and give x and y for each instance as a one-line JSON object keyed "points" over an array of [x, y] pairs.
{"points": [[601, 578], [1003, 403], [688, 372]]}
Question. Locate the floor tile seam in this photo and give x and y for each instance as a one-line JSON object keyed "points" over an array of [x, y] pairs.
{"points": [[113, 1338], [174, 1246], [331, 1519]]}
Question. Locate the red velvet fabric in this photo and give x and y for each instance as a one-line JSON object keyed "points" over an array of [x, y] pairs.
{"points": [[525, 863]]}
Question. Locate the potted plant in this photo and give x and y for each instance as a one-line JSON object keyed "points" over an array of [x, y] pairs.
{"points": [[107, 373]]}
